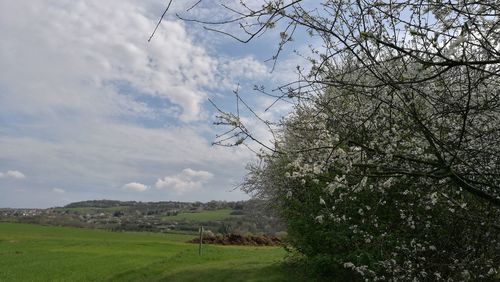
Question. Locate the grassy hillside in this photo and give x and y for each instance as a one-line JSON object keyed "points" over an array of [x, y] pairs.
{"points": [[202, 216], [40, 253]]}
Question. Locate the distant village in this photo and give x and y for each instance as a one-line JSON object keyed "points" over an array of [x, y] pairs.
{"points": [[220, 217]]}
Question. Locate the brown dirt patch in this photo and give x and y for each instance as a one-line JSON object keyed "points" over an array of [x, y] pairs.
{"points": [[235, 239]]}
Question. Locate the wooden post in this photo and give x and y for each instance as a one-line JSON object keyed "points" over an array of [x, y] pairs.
{"points": [[201, 240]]}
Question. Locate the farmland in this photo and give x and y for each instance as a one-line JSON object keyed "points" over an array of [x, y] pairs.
{"points": [[42, 253], [203, 216]]}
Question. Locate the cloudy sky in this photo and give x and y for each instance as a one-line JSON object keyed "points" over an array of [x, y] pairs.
{"points": [[90, 110]]}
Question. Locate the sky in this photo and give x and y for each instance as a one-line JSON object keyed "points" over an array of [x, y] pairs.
{"points": [[89, 109]]}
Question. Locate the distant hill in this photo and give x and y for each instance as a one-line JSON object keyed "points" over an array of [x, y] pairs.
{"points": [[242, 217], [100, 204], [103, 204]]}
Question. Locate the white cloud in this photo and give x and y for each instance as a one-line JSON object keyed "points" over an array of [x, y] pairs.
{"points": [[72, 66], [73, 101], [108, 155], [134, 186], [232, 70], [199, 175], [186, 181], [74, 63], [15, 174], [58, 190]]}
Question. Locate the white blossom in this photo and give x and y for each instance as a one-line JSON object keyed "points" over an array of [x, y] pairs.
{"points": [[321, 201], [319, 219], [349, 265]]}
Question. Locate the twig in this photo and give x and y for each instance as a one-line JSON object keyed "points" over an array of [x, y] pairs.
{"points": [[159, 22]]}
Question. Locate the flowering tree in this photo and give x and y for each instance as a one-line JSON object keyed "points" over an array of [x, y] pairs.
{"points": [[389, 167], [357, 184]]}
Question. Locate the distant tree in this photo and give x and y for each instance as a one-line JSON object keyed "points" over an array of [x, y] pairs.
{"points": [[225, 228], [118, 213]]}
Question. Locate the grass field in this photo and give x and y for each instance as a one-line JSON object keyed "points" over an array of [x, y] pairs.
{"points": [[202, 216], [41, 253]]}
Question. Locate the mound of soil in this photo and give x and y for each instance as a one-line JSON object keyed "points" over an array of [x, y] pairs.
{"points": [[235, 239]]}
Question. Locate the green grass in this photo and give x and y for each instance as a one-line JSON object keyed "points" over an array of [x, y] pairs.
{"points": [[201, 216], [41, 253]]}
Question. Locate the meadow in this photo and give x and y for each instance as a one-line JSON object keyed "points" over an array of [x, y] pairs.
{"points": [[43, 253], [202, 216]]}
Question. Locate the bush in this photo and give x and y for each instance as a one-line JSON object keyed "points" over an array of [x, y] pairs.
{"points": [[409, 235], [351, 222]]}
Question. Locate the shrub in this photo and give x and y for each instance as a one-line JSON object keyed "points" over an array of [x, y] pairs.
{"points": [[349, 220]]}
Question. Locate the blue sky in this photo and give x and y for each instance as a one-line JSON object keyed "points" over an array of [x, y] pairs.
{"points": [[90, 110]]}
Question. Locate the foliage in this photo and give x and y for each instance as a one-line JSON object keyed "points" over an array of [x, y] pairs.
{"points": [[350, 222], [389, 167]]}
